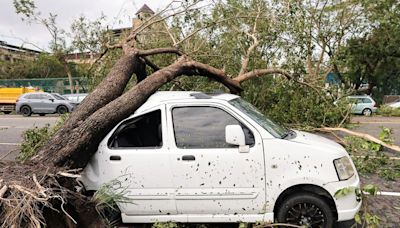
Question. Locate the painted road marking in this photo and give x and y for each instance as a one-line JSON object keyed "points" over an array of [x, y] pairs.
{"points": [[20, 127], [29, 118], [10, 144], [388, 193], [376, 123]]}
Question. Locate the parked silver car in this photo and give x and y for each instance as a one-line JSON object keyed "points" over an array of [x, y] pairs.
{"points": [[42, 103], [76, 98], [362, 104]]}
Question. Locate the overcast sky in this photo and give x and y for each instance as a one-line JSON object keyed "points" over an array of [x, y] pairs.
{"points": [[119, 13]]}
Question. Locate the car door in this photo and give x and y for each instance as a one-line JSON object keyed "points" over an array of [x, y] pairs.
{"points": [[34, 101], [211, 176], [135, 156], [47, 103]]}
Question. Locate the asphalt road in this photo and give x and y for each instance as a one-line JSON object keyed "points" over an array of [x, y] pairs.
{"points": [[372, 125], [11, 129]]}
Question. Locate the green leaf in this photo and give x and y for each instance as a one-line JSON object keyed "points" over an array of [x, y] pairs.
{"points": [[370, 189]]}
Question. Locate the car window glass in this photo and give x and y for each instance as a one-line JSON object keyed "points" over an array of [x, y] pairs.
{"points": [[204, 127], [44, 97], [34, 96], [143, 131], [58, 97], [366, 100], [29, 96]]}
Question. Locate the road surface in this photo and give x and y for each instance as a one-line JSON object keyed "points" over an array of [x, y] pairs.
{"points": [[372, 125], [11, 129]]}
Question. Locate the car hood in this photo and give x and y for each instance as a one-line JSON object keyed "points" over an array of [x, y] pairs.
{"points": [[316, 141]]}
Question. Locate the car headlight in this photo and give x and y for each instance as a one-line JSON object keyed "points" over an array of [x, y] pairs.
{"points": [[344, 169]]}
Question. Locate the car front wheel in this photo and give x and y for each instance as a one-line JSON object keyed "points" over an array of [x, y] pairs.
{"points": [[306, 210], [62, 110]]}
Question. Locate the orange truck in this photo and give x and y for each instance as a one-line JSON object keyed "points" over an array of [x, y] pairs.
{"points": [[9, 96]]}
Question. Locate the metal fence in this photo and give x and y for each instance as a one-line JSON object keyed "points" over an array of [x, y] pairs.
{"points": [[53, 85]]}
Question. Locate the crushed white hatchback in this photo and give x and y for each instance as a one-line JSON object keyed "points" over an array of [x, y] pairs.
{"points": [[195, 157]]}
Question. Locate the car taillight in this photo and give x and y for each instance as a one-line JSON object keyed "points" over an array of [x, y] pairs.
{"points": [[17, 100], [376, 105]]}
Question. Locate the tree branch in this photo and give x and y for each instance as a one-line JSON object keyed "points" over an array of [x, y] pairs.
{"points": [[361, 135], [156, 51], [149, 63], [250, 50], [260, 72], [196, 68]]}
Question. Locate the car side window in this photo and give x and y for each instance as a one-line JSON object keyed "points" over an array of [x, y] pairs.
{"points": [[144, 131], [33, 96], [204, 127], [366, 100], [44, 97]]}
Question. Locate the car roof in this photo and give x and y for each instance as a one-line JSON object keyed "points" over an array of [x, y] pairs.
{"points": [[165, 96], [35, 93], [184, 95]]}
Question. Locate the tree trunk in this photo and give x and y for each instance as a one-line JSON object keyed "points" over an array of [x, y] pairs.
{"points": [[108, 90], [82, 141], [69, 74]]}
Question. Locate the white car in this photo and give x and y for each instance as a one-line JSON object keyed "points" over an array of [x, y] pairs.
{"points": [[362, 104], [394, 104], [194, 157]]}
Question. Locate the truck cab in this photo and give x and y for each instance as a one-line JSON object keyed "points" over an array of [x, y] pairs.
{"points": [[195, 157]]}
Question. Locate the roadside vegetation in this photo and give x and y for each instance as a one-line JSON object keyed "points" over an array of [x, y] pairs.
{"points": [[388, 111]]}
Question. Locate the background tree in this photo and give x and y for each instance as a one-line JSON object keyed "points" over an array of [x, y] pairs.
{"points": [[85, 36], [374, 58]]}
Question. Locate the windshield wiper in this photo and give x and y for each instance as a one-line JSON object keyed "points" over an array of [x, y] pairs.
{"points": [[290, 133]]}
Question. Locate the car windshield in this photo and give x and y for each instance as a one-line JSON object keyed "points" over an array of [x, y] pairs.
{"points": [[58, 97], [273, 128]]}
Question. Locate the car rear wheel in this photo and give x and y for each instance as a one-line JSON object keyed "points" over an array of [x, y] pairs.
{"points": [[26, 111], [367, 112], [62, 109], [305, 209]]}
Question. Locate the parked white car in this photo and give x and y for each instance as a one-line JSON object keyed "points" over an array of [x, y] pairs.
{"points": [[362, 104], [193, 157], [394, 104]]}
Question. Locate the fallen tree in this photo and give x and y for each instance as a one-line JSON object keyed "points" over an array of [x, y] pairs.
{"points": [[42, 190]]}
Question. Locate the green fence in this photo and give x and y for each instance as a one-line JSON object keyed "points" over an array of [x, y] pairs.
{"points": [[53, 85]]}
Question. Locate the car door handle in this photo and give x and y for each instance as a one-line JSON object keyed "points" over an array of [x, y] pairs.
{"points": [[115, 158], [188, 158]]}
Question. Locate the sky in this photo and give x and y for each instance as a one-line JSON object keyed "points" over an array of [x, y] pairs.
{"points": [[119, 13]]}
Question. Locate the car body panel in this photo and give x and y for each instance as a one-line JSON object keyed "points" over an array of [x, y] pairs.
{"points": [[220, 185]]}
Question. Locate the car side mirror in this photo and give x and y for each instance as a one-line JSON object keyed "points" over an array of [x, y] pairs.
{"points": [[52, 100], [234, 135]]}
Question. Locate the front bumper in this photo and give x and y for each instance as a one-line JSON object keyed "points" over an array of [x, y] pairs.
{"points": [[347, 206]]}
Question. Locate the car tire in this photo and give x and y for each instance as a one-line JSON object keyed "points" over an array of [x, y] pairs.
{"points": [[305, 208], [367, 112], [62, 109], [42, 114], [26, 111]]}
